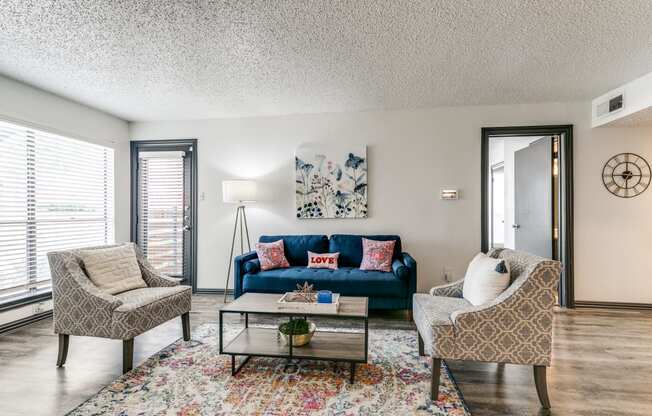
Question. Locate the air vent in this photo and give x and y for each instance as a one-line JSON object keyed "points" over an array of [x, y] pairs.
{"points": [[610, 106], [627, 105]]}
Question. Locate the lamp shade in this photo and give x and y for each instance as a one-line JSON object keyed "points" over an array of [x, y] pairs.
{"points": [[238, 191]]}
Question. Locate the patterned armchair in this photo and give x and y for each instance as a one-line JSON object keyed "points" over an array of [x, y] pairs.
{"points": [[515, 328], [81, 308]]}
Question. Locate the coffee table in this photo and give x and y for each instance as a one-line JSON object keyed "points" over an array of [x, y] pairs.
{"points": [[348, 347]]}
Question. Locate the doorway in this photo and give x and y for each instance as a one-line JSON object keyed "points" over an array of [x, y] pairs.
{"points": [[164, 205], [527, 195]]}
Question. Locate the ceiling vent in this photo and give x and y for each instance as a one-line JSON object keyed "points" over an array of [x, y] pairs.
{"points": [[629, 105]]}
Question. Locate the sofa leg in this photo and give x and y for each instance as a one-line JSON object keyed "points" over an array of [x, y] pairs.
{"points": [[542, 386], [64, 340], [408, 315], [434, 382], [185, 324], [127, 355], [421, 346]]}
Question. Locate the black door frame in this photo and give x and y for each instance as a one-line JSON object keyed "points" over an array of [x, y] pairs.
{"points": [[567, 287], [167, 145]]}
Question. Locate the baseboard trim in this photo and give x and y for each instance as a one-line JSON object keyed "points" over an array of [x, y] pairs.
{"points": [[612, 305], [11, 326], [208, 291]]}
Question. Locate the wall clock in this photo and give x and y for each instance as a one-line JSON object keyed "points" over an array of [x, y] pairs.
{"points": [[626, 175]]}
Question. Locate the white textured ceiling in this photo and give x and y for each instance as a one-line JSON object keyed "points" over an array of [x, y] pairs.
{"points": [[152, 60]]}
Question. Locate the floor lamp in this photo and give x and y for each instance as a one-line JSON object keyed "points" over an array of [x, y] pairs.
{"points": [[238, 192]]}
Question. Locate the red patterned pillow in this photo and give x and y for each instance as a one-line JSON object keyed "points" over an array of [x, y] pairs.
{"points": [[272, 255], [377, 255], [322, 261]]}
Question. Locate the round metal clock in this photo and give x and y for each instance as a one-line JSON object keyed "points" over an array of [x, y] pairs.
{"points": [[626, 175]]}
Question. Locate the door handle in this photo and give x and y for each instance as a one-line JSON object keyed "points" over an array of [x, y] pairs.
{"points": [[186, 223], [516, 226]]}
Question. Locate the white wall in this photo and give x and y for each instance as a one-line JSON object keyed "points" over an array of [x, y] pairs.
{"points": [[411, 155], [24, 104]]}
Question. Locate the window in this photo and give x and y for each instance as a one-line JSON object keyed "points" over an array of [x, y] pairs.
{"points": [[56, 193], [161, 209]]}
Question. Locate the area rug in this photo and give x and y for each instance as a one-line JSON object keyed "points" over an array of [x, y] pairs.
{"points": [[191, 378]]}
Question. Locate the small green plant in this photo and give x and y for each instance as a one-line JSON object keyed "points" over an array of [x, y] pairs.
{"points": [[295, 327]]}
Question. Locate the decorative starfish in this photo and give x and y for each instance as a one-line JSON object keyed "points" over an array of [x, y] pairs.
{"points": [[306, 291]]}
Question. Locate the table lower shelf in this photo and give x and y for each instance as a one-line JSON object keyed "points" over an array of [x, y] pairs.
{"points": [[335, 346]]}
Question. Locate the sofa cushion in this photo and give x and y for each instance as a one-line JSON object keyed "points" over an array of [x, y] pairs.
{"points": [[431, 311], [377, 255], [297, 246], [138, 298], [485, 279], [347, 281], [252, 266], [272, 255], [350, 247], [322, 260], [113, 269], [143, 309]]}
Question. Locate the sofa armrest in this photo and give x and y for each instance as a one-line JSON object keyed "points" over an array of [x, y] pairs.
{"points": [[150, 275], [451, 290], [72, 288], [411, 264], [400, 270], [525, 309], [239, 272]]}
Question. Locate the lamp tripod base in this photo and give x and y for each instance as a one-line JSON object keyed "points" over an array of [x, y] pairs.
{"points": [[241, 223]]}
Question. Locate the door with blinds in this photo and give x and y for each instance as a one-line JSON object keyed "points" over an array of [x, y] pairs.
{"points": [[164, 206]]}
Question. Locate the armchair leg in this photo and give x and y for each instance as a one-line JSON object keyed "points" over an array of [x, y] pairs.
{"points": [[541, 384], [64, 340], [185, 324], [434, 382], [421, 346], [127, 355]]}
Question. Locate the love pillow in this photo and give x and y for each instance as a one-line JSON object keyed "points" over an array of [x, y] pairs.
{"points": [[322, 260]]}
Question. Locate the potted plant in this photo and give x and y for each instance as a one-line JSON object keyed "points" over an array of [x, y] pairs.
{"points": [[301, 330]]}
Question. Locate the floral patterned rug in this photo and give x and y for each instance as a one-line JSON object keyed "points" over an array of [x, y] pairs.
{"points": [[191, 378]]}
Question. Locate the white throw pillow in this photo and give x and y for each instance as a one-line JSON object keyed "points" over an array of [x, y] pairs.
{"points": [[113, 269], [483, 283]]}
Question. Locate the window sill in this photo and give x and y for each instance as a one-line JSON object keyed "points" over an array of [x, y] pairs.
{"points": [[25, 300]]}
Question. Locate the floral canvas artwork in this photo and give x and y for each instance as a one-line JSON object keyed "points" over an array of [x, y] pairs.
{"points": [[331, 181]]}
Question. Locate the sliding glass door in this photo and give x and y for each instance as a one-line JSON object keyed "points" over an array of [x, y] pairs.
{"points": [[163, 208]]}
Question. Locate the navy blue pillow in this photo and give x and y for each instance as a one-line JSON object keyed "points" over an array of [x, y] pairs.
{"points": [[350, 247], [252, 266], [297, 246]]}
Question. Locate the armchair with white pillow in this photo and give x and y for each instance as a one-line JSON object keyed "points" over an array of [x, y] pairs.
{"points": [[515, 327]]}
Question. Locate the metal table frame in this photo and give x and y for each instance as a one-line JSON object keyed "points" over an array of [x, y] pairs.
{"points": [[289, 356]]}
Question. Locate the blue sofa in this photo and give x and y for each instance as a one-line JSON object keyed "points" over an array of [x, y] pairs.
{"points": [[385, 290]]}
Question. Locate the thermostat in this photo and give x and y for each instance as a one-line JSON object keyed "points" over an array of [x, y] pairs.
{"points": [[449, 194]]}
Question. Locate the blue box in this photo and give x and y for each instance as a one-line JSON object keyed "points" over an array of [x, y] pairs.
{"points": [[324, 296]]}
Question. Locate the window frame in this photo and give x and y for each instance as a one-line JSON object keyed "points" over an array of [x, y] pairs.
{"points": [[44, 295]]}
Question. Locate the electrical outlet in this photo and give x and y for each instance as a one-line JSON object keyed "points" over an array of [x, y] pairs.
{"points": [[38, 308], [448, 274]]}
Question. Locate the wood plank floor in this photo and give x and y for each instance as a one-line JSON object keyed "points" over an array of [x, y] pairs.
{"points": [[602, 362]]}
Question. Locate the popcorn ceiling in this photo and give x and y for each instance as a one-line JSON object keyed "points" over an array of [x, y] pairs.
{"points": [[154, 60]]}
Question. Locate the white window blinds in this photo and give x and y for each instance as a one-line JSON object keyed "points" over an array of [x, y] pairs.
{"points": [[161, 209], [56, 193]]}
